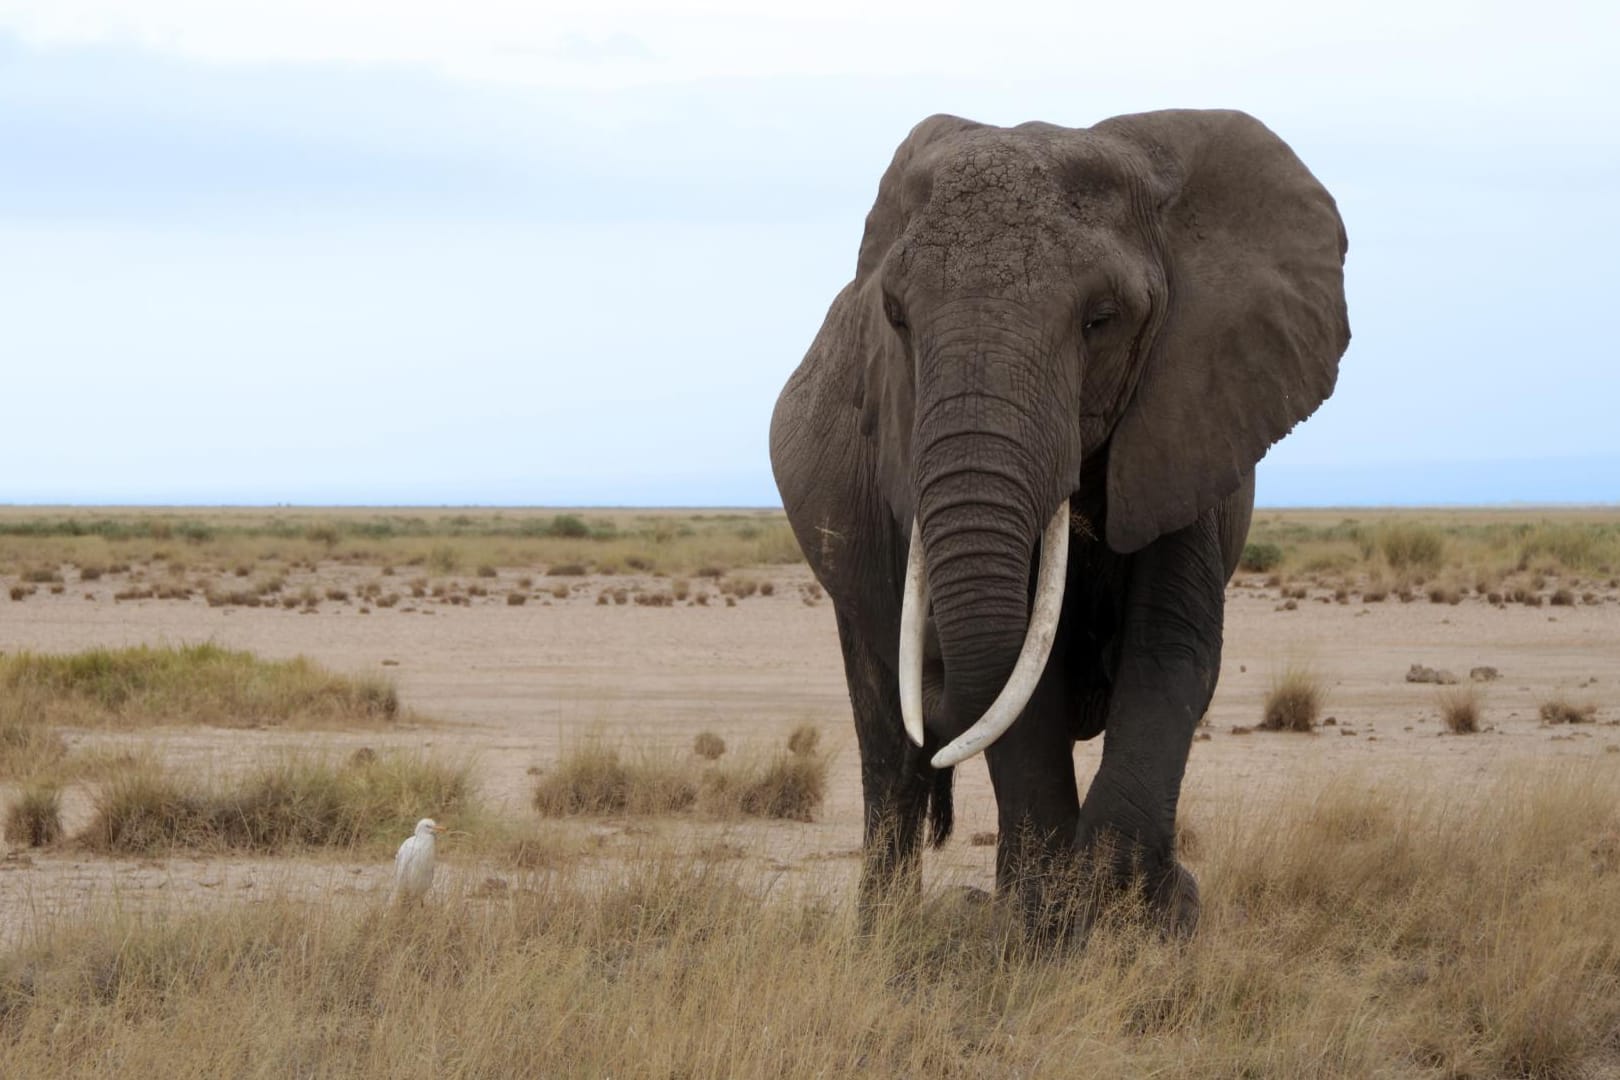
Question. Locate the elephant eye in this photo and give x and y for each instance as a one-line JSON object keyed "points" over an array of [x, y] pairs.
{"points": [[1098, 319], [892, 312]]}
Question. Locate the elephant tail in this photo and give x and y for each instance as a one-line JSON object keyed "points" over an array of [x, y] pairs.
{"points": [[940, 809]]}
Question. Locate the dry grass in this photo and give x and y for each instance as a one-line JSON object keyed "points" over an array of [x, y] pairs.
{"points": [[1460, 708], [194, 684], [298, 802], [440, 541], [28, 745], [594, 778], [35, 817], [1385, 550], [1294, 702], [1359, 931], [294, 803]]}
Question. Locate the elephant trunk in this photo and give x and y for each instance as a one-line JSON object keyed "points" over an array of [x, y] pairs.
{"points": [[994, 451]]}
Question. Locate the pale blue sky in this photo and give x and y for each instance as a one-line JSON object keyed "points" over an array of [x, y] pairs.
{"points": [[566, 254]]}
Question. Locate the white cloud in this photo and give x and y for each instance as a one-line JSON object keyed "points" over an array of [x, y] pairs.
{"points": [[1383, 47]]}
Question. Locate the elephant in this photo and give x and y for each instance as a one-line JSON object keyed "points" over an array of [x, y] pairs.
{"points": [[1019, 458]]}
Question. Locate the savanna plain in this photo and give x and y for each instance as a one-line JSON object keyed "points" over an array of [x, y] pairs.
{"points": [[215, 726]]}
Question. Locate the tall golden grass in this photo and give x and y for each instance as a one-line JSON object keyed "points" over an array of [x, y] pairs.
{"points": [[191, 684], [1355, 931], [298, 802]]}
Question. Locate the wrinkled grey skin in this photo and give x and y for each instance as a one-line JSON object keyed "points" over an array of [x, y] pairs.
{"points": [[1125, 316]]}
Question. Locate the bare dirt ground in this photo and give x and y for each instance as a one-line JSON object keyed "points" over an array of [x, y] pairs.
{"points": [[512, 685]]}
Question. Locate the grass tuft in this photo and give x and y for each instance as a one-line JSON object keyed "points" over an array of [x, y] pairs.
{"points": [[593, 779], [35, 818], [1294, 701], [1460, 709]]}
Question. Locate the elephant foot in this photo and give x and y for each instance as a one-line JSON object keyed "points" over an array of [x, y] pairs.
{"points": [[1120, 870], [1175, 902]]}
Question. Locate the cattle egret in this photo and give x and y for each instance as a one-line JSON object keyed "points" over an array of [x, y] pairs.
{"points": [[413, 865]]}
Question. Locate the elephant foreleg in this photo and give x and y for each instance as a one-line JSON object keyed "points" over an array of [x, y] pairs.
{"points": [[1169, 659], [897, 783]]}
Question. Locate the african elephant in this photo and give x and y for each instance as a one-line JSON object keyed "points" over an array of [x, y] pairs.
{"points": [[1019, 457]]}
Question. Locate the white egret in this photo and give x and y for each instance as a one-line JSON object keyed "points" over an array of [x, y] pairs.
{"points": [[413, 864]]}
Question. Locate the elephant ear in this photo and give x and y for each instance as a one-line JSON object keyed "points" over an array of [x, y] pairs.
{"points": [[1256, 322]]}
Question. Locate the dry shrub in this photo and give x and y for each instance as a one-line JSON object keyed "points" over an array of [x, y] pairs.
{"points": [[1561, 598], [298, 802], [567, 569], [35, 818], [708, 746], [559, 592], [767, 588], [1563, 711], [1460, 709], [1294, 701], [516, 599], [203, 684], [486, 570]]}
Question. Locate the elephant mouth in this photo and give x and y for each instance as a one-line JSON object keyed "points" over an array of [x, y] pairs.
{"points": [[1026, 673]]}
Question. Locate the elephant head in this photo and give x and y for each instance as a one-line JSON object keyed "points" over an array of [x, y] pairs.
{"points": [[1161, 293]]}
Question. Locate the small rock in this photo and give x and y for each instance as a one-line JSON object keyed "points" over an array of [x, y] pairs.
{"points": [[982, 839], [1330, 721], [1347, 731], [1484, 674], [1239, 729]]}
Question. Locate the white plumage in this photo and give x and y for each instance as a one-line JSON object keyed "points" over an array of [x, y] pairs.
{"points": [[413, 863]]}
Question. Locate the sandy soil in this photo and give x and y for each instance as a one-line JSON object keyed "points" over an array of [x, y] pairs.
{"points": [[511, 685]]}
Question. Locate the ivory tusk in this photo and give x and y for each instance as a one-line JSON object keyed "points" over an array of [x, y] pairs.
{"points": [[913, 616], [1043, 623]]}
